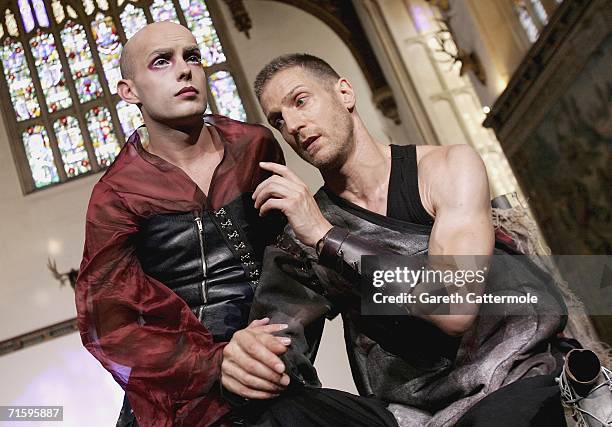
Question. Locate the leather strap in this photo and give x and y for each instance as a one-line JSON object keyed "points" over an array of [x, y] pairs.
{"points": [[332, 244]]}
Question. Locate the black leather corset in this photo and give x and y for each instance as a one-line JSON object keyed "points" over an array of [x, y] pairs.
{"points": [[211, 259]]}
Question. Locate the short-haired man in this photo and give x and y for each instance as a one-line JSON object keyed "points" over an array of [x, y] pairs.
{"points": [[386, 200]]}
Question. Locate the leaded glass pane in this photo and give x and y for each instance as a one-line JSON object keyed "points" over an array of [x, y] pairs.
{"points": [[40, 156], [129, 116], [540, 11], [132, 19], [199, 22], [102, 135], [58, 11], [102, 4], [81, 64], [17, 74], [71, 12], [109, 48], [11, 23], [41, 13], [89, 6], [72, 146], [226, 95], [26, 15], [46, 59], [163, 10], [526, 20]]}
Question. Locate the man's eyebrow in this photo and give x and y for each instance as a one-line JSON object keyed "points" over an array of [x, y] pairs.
{"points": [[273, 114], [193, 48], [168, 50], [160, 51], [291, 92]]}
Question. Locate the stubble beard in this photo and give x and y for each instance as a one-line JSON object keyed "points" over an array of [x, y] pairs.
{"points": [[339, 150]]}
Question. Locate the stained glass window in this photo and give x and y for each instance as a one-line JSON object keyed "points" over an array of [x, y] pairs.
{"points": [[132, 19], [81, 63], [41, 13], [50, 71], [11, 23], [26, 15], [69, 62], [102, 135], [71, 145], [226, 96], [58, 11], [89, 6], [40, 156], [199, 22], [17, 75], [533, 17], [163, 10], [102, 4], [109, 48], [130, 117]]}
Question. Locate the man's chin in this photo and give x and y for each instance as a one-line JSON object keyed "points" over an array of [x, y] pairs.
{"points": [[189, 121]]}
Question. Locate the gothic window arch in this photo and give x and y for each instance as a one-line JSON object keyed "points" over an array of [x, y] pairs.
{"points": [[60, 67]]}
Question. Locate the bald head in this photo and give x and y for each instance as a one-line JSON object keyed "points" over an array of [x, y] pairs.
{"points": [[139, 43]]}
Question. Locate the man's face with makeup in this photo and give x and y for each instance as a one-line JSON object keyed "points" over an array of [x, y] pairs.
{"points": [[310, 114], [168, 78]]}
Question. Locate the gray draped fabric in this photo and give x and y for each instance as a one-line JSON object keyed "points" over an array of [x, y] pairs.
{"points": [[428, 377]]}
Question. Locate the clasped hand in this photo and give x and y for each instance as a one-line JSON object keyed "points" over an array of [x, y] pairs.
{"points": [[251, 364]]}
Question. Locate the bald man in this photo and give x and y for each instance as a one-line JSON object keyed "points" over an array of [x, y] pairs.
{"points": [[173, 243], [173, 254]]}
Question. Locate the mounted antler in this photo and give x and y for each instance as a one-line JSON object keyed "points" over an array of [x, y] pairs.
{"points": [[69, 276], [446, 42]]}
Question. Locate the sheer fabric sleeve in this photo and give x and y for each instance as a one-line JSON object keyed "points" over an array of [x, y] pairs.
{"points": [[138, 329]]}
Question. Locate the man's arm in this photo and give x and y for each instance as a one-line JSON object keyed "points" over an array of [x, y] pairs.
{"points": [[454, 183]]}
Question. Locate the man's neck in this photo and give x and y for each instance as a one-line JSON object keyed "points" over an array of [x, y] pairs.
{"points": [[181, 147], [364, 177]]}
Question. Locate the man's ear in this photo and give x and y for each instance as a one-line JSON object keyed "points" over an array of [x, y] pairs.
{"points": [[127, 91], [347, 95]]}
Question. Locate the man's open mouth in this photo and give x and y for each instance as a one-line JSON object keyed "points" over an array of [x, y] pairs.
{"points": [[309, 141]]}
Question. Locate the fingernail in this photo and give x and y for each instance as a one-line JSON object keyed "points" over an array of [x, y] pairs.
{"points": [[280, 368], [285, 380], [282, 326], [285, 340]]}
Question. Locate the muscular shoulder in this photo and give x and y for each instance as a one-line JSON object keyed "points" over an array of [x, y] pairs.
{"points": [[454, 175]]}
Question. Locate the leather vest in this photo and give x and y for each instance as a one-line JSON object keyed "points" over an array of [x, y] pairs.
{"points": [[211, 259]]}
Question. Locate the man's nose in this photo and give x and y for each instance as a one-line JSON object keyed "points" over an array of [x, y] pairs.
{"points": [[183, 70], [294, 123]]}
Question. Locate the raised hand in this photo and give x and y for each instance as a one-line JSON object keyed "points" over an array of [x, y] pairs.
{"points": [[288, 193]]}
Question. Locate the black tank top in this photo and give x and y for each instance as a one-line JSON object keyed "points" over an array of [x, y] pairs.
{"points": [[403, 199]]}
